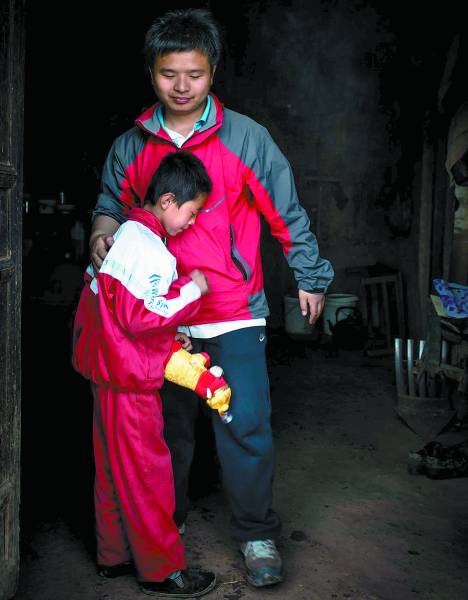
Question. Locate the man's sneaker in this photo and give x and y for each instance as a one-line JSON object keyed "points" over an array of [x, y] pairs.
{"points": [[189, 584], [262, 561], [111, 571]]}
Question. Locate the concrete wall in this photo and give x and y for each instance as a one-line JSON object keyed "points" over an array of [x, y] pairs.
{"points": [[312, 74]]}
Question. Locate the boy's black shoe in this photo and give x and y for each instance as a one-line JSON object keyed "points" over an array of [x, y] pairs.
{"points": [[125, 568], [189, 584]]}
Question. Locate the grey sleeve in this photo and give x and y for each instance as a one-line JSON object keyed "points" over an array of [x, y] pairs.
{"points": [[108, 201], [312, 272]]}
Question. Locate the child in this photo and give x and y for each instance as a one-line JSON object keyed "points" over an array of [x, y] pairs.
{"points": [[124, 328]]}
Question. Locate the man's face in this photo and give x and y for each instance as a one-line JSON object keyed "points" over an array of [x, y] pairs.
{"points": [[182, 81]]}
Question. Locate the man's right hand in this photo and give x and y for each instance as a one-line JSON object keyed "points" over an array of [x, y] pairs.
{"points": [[99, 247], [101, 239], [201, 280]]}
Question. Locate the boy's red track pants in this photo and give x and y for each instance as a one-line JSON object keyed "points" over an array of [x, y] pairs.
{"points": [[134, 488]]}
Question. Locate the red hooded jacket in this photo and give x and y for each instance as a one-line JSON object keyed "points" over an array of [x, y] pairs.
{"points": [[128, 315]]}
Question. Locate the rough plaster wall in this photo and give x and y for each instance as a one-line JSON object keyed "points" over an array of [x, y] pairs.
{"points": [[311, 73]]}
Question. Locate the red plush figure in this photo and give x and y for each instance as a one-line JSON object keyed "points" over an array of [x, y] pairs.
{"points": [[191, 371]]}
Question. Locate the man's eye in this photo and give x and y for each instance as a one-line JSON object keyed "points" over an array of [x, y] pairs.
{"points": [[195, 76]]}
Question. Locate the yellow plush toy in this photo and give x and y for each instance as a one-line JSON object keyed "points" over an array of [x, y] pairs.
{"points": [[190, 371]]}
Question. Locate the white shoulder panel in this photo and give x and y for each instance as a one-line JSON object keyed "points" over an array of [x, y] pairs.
{"points": [[145, 267], [140, 261]]}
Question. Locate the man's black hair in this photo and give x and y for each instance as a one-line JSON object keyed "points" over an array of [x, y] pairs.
{"points": [[182, 174], [183, 31]]}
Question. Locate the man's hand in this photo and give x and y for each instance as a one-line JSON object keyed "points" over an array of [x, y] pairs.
{"points": [[98, 248], [201, 280], [101, 239], [313, 303], [184, 340]]}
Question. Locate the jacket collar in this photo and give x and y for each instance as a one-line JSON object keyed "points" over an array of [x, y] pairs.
{"points": [[159, 112], [140, 215], [149, 122]]}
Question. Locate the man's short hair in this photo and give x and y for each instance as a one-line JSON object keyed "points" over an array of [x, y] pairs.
{"points": [[182, 174], [183, 31]]}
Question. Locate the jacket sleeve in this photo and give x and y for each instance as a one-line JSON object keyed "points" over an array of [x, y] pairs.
{"points": [[116, 194], [270, 181], [144, 316], [139, 282]]}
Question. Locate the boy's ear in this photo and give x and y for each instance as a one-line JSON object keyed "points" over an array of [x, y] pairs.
{"points": [[166, 200], [213, 69]]}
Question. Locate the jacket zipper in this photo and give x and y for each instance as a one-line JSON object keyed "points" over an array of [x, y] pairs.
{"points": [[237, 262]]}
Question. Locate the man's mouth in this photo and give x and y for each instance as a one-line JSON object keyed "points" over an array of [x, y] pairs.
{"points": [[180, 99]]}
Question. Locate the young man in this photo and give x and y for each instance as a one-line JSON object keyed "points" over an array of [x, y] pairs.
{"points": [[250, 176], [124, 329]]}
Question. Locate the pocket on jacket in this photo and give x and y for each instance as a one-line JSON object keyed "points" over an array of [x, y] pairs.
{"points": [[240, 263]]}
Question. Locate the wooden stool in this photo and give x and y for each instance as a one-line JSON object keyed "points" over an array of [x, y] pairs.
{"points": [[383, 311]]}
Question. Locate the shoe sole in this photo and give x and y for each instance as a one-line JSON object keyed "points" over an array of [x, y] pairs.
{"points": [[181, 595], [265, 580]]}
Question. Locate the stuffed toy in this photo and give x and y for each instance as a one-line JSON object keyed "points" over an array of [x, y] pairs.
{"points": [[191, 371]]}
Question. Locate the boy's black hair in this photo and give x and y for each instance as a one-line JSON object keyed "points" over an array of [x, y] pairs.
{"points": [[182, 174], [183, 31]]}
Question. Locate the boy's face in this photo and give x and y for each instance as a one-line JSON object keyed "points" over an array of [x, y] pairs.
{"points": [[176, 219], [182, 81]]}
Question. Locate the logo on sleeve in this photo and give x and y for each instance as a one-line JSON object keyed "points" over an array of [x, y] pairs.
{"points": [[153, 301], [154, 283]]}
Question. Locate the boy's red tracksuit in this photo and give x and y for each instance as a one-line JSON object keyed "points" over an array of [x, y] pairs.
{"points": [[125, 324]]}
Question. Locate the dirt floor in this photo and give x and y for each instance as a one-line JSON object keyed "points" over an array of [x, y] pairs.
{"points": [[356, 525]]}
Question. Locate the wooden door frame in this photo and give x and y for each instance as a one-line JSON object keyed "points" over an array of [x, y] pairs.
{"points": [[11, 186]]}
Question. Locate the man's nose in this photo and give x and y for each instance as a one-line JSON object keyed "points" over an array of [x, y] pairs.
{"points": [[181, 84]]}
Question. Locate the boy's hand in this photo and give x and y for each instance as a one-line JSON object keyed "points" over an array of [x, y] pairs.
{"points": [[201, 280], [99, 247], [184, 340], [312, 302]]}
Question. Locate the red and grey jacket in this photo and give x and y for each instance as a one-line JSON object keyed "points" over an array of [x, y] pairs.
{"points": [[127, 317], [250, 177]]}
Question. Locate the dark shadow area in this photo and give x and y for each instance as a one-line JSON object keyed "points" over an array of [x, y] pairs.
{"points": [[57, 461]]}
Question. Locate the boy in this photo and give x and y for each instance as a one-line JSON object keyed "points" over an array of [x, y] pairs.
{"points": [[124, 328], [251, 177]]}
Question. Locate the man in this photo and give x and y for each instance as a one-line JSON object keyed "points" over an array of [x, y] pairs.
{"points": [[250, 177]]}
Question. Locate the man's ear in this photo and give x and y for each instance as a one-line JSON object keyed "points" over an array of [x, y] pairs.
{"points": [[213, 69], [166, 200], [151, 75]]}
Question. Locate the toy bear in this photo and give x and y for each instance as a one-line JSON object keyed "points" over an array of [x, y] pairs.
{"points": [[191, 371]]}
